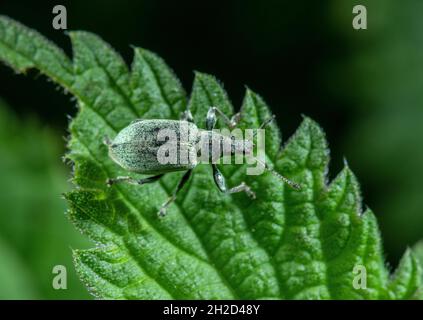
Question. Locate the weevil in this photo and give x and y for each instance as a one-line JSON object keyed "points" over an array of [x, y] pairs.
{"points": [[135, 149]]}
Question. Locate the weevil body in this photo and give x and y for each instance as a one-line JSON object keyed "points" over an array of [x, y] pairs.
{"points": [[137, 148]]}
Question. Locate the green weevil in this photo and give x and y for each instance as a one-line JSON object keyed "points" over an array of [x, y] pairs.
{"points": [[136, 148]]}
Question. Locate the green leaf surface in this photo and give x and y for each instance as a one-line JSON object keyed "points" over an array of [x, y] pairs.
{"points": [[418, 252], [286, 244]]}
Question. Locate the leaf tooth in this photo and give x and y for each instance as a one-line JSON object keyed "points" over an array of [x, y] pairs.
{"points": [[23, 48], [86, 48], [155, 87], [254, 111], [344, 193], [307, 148], [111, 274], [207, 91]]}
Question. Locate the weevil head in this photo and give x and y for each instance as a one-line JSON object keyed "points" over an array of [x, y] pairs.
{"points": [[242, 147]]}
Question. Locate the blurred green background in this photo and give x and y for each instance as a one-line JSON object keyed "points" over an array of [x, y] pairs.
{"points": [[364, 87], [34, 233]]}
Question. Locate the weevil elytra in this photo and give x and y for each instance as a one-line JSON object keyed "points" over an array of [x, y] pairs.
{"points": [[136, 149]]}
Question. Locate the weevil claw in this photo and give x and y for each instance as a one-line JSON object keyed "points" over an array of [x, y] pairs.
{"points": [[250, 193], [162, 212], [109, 182], [106, 141]]}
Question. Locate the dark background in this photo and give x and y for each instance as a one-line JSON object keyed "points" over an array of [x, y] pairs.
{"points": [[364, 87], [277, 48]]}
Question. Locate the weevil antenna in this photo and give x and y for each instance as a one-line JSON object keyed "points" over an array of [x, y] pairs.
{"points": [[264, 125], [292, 184]]}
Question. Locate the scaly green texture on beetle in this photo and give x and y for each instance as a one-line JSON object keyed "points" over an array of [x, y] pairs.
{"points": [[148, 145], [285, 244]]}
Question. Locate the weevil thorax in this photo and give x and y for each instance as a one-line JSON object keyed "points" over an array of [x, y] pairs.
{"points": [[213, 145]]}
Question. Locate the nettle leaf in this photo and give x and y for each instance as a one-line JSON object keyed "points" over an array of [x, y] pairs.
{"points": [[418, 252], [406, 280], [285, 244]]}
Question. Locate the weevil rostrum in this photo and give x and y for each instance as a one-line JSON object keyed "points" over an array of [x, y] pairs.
{"points": [[137, 146]]}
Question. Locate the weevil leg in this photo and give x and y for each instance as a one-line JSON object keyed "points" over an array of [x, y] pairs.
{"points": [[219, 179], [267, 122], [212, 114], [130, 180], [187, 116], [172, 198]]}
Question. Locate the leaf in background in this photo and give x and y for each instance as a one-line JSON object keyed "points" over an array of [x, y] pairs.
{"points": [[15, 279], [384, 89], [285, 244], [34, 232]]}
